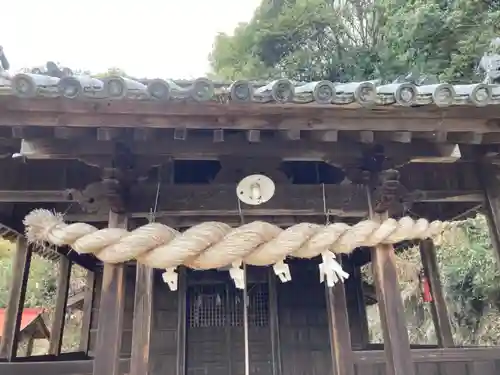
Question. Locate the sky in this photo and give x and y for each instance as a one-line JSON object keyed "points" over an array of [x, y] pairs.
{"points": [[145, 38]]}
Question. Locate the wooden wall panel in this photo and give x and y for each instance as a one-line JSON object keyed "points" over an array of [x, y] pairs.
{"points": [[164, 336], [303, 324]]}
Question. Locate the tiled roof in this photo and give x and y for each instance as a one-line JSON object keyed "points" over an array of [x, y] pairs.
{"points": [[367, 93]]}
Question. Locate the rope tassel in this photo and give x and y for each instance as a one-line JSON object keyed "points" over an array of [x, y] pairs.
{"points": [[331, 270], [171, 278], [238, 275], [282, 270], [213, 245]]}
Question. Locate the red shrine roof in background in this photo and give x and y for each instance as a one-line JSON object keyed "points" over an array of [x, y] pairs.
{"points": [[29, 315]]}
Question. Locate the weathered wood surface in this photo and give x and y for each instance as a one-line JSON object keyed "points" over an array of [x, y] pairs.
{"points": [[456, 361], [356, 304], [181, 322], [61, 112], [274, 324], [112, 304], [459, 361], [396, 341], [468, 354], [183, 193], [10, 338], [82, 367], [439, 310], [303, 322], [338, 325], [58, 319], [163, 342], [196, 201], [202, 147], [142, 321]]}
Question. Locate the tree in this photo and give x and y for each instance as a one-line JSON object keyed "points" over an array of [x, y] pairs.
{"points": [[343, 40]]}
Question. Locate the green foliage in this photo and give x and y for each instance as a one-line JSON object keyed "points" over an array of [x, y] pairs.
{"points": [[358, 39], [471, 277], [41, 292], [42, 282]]}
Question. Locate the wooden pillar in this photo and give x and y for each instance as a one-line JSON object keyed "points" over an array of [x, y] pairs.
{"points": [[111, 310], [88, 302], [338, 325], [489, 177], [181, 322], [396, 341], [274, 323], [356, 308], [438, 306], [58, 320], [20, 272], [143, 320]]}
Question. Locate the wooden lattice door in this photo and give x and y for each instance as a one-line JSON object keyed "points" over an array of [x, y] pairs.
{"points": [[215, 338]]}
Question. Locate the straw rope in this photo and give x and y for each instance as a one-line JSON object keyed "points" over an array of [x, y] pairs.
{"points": [[211, 245]]}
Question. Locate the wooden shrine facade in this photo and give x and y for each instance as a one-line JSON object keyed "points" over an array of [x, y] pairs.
{"points": [[121, 162]]}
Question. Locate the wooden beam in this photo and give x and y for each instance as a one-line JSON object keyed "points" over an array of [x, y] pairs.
{"points": [[108, 134], [82, 367], [218, 135], [58, 319], [180, 134], [437, 136], [203, 147], [274, 326], [402, 137], [143, 134], [395, 333], [87, 311], [291, 135], [12, 321], [142, 320], [183, 201], [181, 322], [438, 305], [111, 307], [366, 136], [253, 136], [470, 138], [181, 191], [324, 135], [338, 325], [71, 133], [53, 112]]}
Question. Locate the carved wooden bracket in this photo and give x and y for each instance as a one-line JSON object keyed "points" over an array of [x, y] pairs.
{"points": [[100, 197]]}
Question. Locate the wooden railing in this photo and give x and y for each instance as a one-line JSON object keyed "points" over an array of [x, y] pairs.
{"points": [[54, 366], [456, 361]]}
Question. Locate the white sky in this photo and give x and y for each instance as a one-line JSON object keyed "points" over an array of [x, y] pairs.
{"points": [[146, 38]]}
